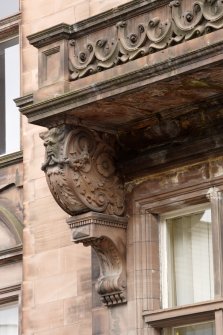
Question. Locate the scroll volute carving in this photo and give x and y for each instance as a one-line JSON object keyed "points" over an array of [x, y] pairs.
{"points": [[129, 41], [80, 171], [107, 236]]}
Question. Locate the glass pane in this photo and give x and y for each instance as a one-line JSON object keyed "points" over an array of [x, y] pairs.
{"points": [[191, 259], [7, 240], [8, 8], [196, 329], [12, 71], [9, 319]]}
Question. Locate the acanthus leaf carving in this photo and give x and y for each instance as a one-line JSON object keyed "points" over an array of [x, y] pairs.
{"points": [[150, 36], [106, 234], [80, 171]]}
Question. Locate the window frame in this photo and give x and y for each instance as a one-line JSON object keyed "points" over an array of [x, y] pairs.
{"points": [[10, 256], [154, 206], [167, 287], [9, 29]]}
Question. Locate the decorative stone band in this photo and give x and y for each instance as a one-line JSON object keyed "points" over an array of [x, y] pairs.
{"points": [[80, 170], [146, 34], [107, 236], [131, 31], [102, 219]]}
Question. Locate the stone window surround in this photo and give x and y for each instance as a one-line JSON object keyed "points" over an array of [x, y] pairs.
{"points": [[12, 293], [9, 28], [163, 203], [10, 256]]}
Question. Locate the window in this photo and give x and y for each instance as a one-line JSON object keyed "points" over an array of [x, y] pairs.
{"points": [[189, 245], [207, 328], [188, 257], [9, 319], [10, 270], [8, 8], [9, 89]]}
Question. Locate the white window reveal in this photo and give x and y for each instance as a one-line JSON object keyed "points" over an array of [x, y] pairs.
{"points": [[8, 8], [9, 319], [187, 257], [207, 328], [9, 90]]}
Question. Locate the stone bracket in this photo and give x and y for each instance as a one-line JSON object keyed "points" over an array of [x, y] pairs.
{"points": [[107, 235]]}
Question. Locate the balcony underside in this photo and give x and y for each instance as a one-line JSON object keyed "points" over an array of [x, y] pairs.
{"points": [[165, 107]]}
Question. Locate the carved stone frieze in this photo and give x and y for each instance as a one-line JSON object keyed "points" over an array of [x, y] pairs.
{"points": [[107, 236], [154, 33], [80, 170]]}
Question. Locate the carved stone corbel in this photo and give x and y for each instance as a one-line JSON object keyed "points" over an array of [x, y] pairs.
{"points": [[82, 176], [80, 170], [107, 236]]}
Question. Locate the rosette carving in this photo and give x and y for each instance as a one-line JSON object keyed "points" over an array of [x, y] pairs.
{"points": [[80, 64], [213, 13], [129, 40], [159, 34], [80, 171], [188, 24], [131, 44], [106, 52]]}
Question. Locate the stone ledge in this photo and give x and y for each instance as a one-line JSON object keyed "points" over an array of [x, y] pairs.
{"points": [[10, 159], [182, 315]]}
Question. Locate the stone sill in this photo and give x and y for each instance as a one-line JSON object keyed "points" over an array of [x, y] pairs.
{"points": [[182, 315], [9, 26], [10, 294], [11, 255], [10, 159]]}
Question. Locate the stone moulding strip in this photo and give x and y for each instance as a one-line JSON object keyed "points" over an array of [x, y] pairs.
{"points": [[182, 315], [10, 294], [93, 23], [10, 159], [95, 218], [50, 35], [9, 27]]}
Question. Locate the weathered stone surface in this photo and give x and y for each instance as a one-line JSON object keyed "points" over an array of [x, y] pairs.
{"points": [[80, 170], [106, 234]]}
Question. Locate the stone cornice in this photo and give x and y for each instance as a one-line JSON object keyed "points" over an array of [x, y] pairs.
{"points": [[10, 294], [24, 101], [94, 23], [10, 159], [38, 113], [96, 219], [50, 35], [9, 26], [11, 255]]}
